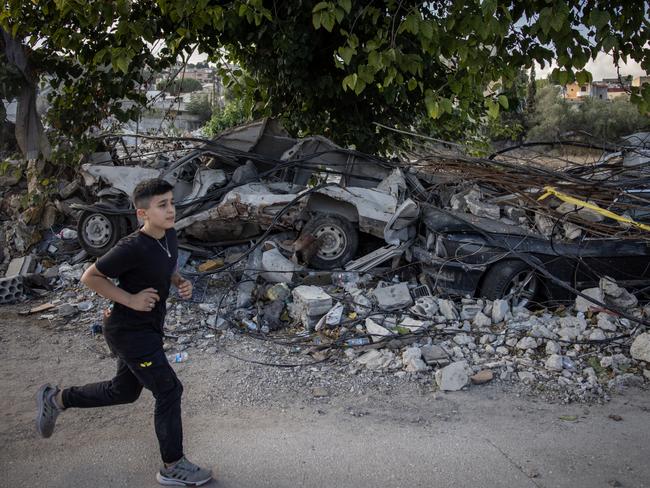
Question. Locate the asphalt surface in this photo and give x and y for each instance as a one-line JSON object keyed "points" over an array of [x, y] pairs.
{"points": [[462, 440]]}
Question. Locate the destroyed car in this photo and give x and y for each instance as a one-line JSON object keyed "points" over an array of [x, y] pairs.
{"points": [[254, 177], [468, 255]]}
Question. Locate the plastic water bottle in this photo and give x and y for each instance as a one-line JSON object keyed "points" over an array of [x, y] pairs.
{"points": [[179, 357], [358, 341]]}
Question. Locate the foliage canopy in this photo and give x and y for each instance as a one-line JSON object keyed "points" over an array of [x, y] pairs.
{"points": [[330, 67]]}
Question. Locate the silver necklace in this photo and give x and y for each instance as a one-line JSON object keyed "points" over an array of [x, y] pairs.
{"points": [[165, 247]]}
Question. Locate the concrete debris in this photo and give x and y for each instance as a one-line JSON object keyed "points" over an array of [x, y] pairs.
{"points": [[584, 304], [20, 266], [454, 376], [376, 331], [640, 349], [412, 359], [277, 268], [393, 297]]}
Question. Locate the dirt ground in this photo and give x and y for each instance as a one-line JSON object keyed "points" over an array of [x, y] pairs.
{"points": [[263, 429]]}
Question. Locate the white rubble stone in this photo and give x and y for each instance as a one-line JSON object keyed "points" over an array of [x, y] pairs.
{"points": [[412, 359], [432, 353], [453, 377], [426, 306], [646, 373], [606, 322], [482, 320], [640, 349], [583, 304], [376, 331], [463, 339], [372, 359], [512, 342], [503, 351], [606, 362], [393, 297], [414, 325], [448, 309], [312, 300], [500, 309], [554, 362], [616, 296], [526, 377], [539, 330], [526, 343], [278, 269], [596, 335], [469, 311], [552, 348]]}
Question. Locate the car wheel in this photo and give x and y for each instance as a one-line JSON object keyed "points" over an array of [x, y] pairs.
{"points": [[512, 280], [339, 240], [99, 232]]}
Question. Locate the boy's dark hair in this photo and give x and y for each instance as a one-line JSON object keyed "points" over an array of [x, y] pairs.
{"points": [[147, 189]]}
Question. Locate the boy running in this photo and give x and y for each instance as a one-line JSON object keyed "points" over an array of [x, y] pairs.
{"points": [[145, 265]]}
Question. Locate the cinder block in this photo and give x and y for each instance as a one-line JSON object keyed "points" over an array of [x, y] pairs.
{"points": [[11, 289]]}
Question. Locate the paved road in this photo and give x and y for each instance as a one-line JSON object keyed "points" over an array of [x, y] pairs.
{"points": [[467, 440]]}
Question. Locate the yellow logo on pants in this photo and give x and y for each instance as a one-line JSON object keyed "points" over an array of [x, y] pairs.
{"points": [[146, 364]]}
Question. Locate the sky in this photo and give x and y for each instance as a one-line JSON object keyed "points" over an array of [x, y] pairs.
{"points": [[601, 67]]}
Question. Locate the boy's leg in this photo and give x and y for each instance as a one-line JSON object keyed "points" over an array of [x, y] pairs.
{"points": [[123, 388], [154, 372]]}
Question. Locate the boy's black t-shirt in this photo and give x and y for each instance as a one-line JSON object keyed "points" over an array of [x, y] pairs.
{"points": [[139, 261]]}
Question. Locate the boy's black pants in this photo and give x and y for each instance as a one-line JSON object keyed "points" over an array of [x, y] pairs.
{"points": [[152, 372]]}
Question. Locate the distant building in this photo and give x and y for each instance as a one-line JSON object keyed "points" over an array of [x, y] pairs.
{"points": [[577, 92], [641, 80], [623, 82], [617, 92]]}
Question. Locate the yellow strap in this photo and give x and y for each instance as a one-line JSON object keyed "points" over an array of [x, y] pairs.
{"points": [[581, 203]]}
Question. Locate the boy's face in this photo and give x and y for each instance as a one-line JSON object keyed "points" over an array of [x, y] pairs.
{"points": [[161, 212]]}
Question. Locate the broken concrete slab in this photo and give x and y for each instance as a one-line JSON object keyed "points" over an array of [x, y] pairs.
{"points": [[640, 349], [434, 355], [21, 266], [376, 331], [583, 304], [500, 309], [448, 309], [311, 300], [277, 268], [412, 360], [393, 297], [453, 377]]}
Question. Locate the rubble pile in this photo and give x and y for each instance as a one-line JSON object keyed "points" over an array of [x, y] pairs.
{"points": [[397, 328], [304, 263]]}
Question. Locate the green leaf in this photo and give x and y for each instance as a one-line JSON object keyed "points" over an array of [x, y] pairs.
{"points": [[350, 82], [426, 29], [503, 100], [583, 77], [433, 108], [568, 418], [558, 21], [320, 6], [493, 108], [598, 18], [327, 20], [609, 43], [360, 86], [346, 54], [346, 5], [412, 84]]}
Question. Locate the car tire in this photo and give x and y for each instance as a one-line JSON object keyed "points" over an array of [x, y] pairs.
{"points": [[99, 232], [504, 277], [340, 240]]}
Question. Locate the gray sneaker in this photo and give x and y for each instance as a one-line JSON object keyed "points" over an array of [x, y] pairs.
{"points": [[47, 410], [183, 473]]}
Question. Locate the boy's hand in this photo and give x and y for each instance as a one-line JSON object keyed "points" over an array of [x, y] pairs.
{"points": [[144, 301], [184, 288]]}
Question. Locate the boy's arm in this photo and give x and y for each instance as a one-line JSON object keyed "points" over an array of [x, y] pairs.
{"points": [[184, 286], [144, 301]]}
